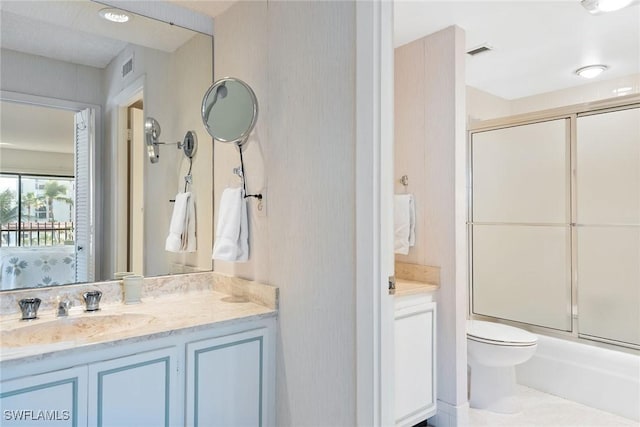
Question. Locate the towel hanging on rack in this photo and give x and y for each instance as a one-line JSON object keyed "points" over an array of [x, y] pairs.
{"points": [[182, 229], [404, 223], [232, 230]]}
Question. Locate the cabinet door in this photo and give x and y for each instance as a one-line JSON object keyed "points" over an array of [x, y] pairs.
{"points": [[53, 399], [226, 380], [415, 363], [140, 390]]}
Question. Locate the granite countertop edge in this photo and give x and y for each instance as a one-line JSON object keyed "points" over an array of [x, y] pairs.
{"points": [[410, 287]]}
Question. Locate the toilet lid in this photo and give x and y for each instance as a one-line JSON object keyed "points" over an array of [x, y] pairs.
{"points": [[498, 333]]}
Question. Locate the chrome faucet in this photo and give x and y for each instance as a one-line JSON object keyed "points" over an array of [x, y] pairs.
{"points": [[29, 308], [92, 300], [63, 308]]}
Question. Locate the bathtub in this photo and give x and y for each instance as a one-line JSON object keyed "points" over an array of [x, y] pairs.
{"points": [[597, 377]]}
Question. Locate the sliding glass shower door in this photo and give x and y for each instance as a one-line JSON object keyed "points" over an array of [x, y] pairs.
{"points": [[608, 225], [521, 238], [555, 224]]}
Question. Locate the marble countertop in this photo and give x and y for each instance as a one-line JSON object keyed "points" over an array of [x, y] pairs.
{"points": [[410, 287], [154, 317]]}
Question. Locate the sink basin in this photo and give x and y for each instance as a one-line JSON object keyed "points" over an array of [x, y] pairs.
{"points": [[81, 328]]}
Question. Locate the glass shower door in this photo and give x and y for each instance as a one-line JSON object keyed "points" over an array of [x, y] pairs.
{"points": [[521, 239], [608, 225]]}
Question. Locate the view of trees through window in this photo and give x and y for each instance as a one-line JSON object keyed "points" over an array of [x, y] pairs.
{"points": [[36, 210]]}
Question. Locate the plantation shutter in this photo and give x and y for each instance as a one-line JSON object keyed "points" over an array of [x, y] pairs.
{"points": [[85, 125]]}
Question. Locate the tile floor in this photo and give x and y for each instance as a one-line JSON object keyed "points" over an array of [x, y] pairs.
{"points": [[542, 409]]}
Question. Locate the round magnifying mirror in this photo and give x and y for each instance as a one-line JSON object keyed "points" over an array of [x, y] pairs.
{"points": [[230, 110]]}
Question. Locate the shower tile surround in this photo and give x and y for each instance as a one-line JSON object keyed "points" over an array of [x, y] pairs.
{"points": [[187, 301]]}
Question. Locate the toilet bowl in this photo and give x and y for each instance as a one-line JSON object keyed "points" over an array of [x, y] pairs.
{"points": [[493, 351]]}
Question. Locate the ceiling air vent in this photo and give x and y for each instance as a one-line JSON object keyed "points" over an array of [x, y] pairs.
{"points": [[480, 49], [127, 67]]}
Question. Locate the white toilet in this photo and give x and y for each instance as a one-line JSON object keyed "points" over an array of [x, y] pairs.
{"points": [[493, 352]]}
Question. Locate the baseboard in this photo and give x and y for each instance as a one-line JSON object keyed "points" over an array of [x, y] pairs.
{"points": [[450, 415]]}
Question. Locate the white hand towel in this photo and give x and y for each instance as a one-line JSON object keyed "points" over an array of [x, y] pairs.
{"points": [[182, 229], [404, 223], [412, 221], [189, 238], [232, 230]]}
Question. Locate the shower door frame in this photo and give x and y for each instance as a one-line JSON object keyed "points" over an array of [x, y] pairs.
{"points": [[571, 113]]}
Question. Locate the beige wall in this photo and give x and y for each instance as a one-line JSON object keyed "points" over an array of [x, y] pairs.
{"points": [[242, 51], [299, 57], [39, 162], [430, 148], [191, 65], [173, 92], [159, 179], [483, 106], [37, 75], [587, 92]]}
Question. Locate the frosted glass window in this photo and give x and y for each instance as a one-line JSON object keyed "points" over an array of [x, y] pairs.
{"points": [[521, 273], [608, 168], [609, 282], [520, 174]]}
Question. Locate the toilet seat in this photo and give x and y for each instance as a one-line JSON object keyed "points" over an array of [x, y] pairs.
{"points": [[498, 334]]}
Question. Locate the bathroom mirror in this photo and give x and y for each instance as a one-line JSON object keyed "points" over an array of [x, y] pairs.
{"points": [[60, 62], [230, 110]]}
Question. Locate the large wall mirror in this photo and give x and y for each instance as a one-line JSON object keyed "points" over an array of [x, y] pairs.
{"points": [[79, 198]]}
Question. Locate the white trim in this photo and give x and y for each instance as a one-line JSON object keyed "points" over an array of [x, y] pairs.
{"points": [[374, 171], [450, 416], [118, 156]]}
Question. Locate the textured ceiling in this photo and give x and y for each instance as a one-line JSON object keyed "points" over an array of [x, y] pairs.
{"points": [[73, 31], [537, 44], [70, 31]]}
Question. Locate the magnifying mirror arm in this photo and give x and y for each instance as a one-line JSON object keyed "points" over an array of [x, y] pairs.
{"points": [[242, 175], [152, 135]]}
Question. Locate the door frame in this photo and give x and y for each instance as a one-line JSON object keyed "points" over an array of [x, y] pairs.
{"points": [[374, 214], [118, 155]]}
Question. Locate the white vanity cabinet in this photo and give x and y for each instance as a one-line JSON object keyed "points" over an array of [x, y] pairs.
{"points": [[415, 379], [56, 398], [139, 390], [207, 377], [228, 383]]}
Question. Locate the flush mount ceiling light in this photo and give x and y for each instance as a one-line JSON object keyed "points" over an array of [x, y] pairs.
{"points": [[115, 15], [591, 71], [596, 7]]}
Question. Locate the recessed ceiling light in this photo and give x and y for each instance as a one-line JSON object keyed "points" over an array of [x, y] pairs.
{"points": [[115, 15], [596, 7], [591, 71]]}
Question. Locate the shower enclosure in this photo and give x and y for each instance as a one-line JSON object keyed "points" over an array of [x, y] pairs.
{"points": [[554, 221]]}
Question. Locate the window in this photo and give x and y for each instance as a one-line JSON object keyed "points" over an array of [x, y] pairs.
{"points": [[36, 210]]}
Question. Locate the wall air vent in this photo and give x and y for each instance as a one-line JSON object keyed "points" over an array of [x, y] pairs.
{"points": [[480, 49], [127, 67]]}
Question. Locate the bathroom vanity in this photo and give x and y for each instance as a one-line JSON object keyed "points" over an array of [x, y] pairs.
{"points": [[415, 352], [197, 358]]}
